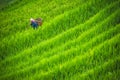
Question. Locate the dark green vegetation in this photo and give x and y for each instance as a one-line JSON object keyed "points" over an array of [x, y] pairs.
{"points": [[79, 40]]}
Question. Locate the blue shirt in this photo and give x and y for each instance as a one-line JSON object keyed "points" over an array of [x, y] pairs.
{"points": [[34, 24]]}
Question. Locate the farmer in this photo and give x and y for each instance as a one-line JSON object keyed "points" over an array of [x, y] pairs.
{"points": [[34, 23]]}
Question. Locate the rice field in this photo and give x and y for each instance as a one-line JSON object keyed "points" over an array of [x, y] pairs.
{"points": [[79, 40]]}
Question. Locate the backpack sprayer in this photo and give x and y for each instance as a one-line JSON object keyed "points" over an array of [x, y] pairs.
{"points": [[39, 21]]}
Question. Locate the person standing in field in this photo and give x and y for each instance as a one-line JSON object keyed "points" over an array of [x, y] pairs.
{"points": [[34, 24]]}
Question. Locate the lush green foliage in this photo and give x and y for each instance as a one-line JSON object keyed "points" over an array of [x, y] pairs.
{"points": [[79, 40]]}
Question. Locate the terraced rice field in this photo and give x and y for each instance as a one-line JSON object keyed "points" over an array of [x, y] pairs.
{"points": [[79, 40]]}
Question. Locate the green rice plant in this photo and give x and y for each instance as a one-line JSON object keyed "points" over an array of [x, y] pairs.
{"points": [[18, 43], [23, 59], [99, 71], [79, 64], [79, 40], [57, 59]]}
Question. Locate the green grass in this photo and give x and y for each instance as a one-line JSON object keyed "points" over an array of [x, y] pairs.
{"points": [[79, 40]]}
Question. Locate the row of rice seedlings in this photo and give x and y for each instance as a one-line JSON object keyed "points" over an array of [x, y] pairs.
{"points": [[22, 57], [70, 67], [18, 43], [55, 60], [105, 71]]}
